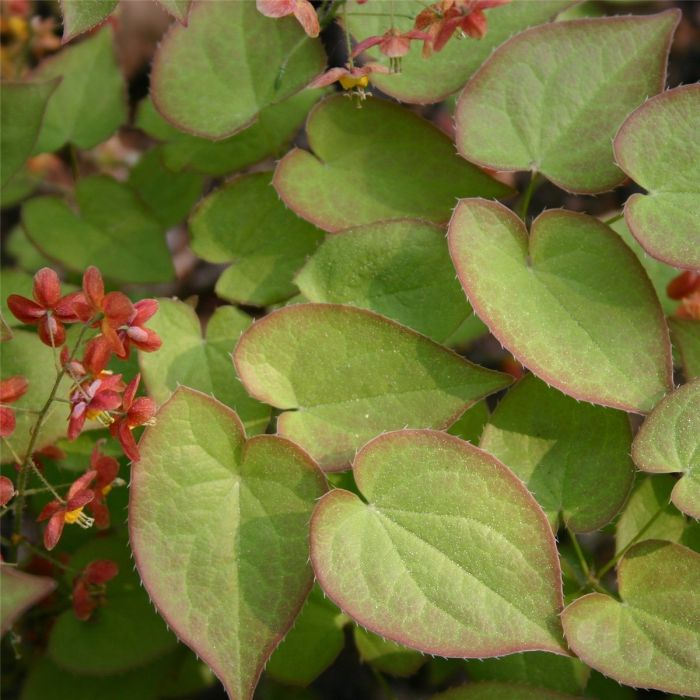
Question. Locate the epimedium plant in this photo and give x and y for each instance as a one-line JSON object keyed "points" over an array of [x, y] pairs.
{"points": [[429, 430]]}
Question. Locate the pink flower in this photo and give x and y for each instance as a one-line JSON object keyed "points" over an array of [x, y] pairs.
{"points": [[106, 469], [393, 44], [95, 400], [11, 389], [89, 587], [140, 411], [354, 78], [303, 10]]}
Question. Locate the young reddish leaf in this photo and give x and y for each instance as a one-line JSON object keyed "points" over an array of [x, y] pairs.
{"points": [[81, 15], [658, 148], [90, 102], [179, 9], [185, 358], [112, 230], [534, 668], [423, 81], [345, 374], [25, 355], [651, 638], [669, 441], [401, 269], [245, 223], [550, 100], [124, 631], [269, 136], [379, 162], [19, 591], [224, 555], [447, 552], [266, 62], [312, 645], [563, 450], [387, 656], [571, 302], [501, 691], [23, 108], [686, 338]]}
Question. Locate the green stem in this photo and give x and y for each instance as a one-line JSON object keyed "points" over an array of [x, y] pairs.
{"points": [[346, 31], [579, 554], [41, 553], [632, 542], [535, 181]]}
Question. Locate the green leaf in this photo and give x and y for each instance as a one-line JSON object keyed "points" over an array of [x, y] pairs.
{"points": [[401, 269], [225, 555], [651, 638], [185, 358], [344, 375], [471, 424], [81, 15], [447, 552], [269, 136], [536, 668], [245, 223], [27, 356], [387, 656], [168, 195], [571, 302], [312, 645], [659, 273], [563, 450], [90, 102], [111, 229], [23, 108], [26, 255], [19, 592], [424, 80], [500, 691], [650, 503], [686, 337], [375, 163], [265, 61], [123, 634], [669, 441], [657, 147], [602, 688], [179, 9], [551, 99]]}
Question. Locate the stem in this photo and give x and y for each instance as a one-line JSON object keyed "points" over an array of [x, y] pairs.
{"points": [[19, 408], [579, 554], [613, 219], [346, 31], [380, 14], [41, 553], [32, 463], [32, 492], [535, 181], [23, 471], [632, 542]]}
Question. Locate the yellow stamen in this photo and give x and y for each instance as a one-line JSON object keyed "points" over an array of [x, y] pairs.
{"points": [[103, 417], [348, 82], [106, 489], [72, 516]]}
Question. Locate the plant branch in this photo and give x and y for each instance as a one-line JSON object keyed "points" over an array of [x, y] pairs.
{"points": [[535, 181]]}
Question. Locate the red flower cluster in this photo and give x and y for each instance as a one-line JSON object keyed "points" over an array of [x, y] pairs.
{"points": [[11, 389], [89, 587]]}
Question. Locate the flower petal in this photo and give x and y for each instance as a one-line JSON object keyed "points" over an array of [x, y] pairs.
{"points": [[275, 8], [51, 331], [7, 490], [24, 309], [8, 422], [47, 288], [94, 288], [13, 388], [145, 309], [306, 15], [141, 411], [54, 529]]}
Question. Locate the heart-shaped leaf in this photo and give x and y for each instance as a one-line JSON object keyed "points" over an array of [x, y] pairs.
{"points": [[375, 163], [652, 638], [344, 375], [387, 656], [658, 148], [27, 356], [18, 592], [185, 358], [471, 424], [112, 230], [269, 136], [81, 15], [424, 80], [551, 98], [123, 634], [265, 61], [501, 691], [90, 102], [669, 441], [245, 223], [312, 645], [401, 269], [563, 450], [534, 668], [447, 552], [649, 510], [571, 302], [686, 337], [23, 107], [224, 556]]}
